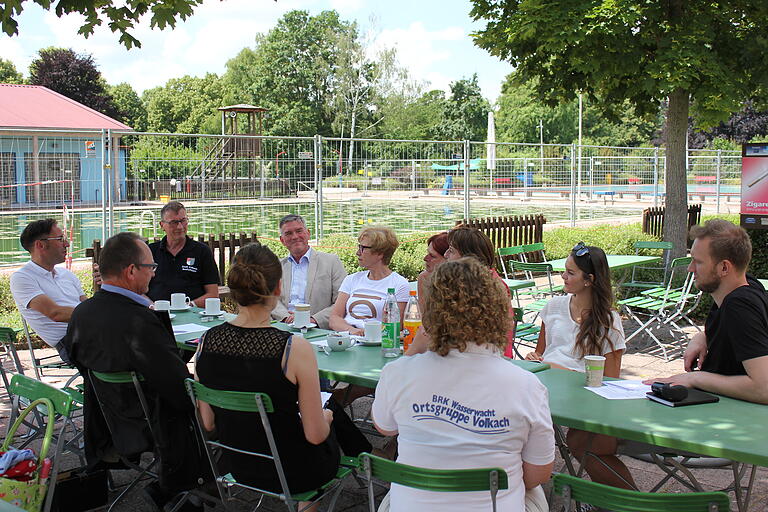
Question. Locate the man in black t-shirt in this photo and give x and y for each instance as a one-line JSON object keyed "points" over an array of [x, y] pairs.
{"points": [[731, 355], [184, 265]]}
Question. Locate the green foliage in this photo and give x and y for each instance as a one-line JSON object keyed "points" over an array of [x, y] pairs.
{"points": [[612, 239], [130, 107], [288, 73], [8, 73], [407, 115], [641, 52], [163, 160], [186, 105], [120, 16], [465, 112]]}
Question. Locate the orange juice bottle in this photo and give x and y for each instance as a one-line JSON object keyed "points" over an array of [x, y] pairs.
{"points": [[411, 320]]}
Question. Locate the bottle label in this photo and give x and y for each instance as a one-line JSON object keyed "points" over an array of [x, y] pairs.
{"points": [[411, 327], [390, 335]]}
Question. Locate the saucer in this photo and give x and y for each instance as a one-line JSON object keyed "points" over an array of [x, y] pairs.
{"points": [[362, 340], [215, 315], [308, 326], [171, 316], [185, 308]]}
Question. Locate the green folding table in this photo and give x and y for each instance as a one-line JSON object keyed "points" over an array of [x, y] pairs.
{"points": [[730, 429], [615, 261]]}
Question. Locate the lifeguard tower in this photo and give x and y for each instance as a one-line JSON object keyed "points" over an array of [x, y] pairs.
{"points": [[233, 160]]}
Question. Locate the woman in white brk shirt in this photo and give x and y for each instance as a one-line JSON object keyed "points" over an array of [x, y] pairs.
{"points": [[460, 404]]}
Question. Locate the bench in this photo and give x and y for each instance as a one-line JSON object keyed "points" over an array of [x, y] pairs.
{"points": [[605, 195]]}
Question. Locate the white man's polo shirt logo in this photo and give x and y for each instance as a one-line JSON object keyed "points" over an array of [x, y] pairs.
{"points": [[190, 265]]}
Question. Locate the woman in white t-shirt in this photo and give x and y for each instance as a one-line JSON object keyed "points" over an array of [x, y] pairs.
{"points": [[447, 403], [362, 294], [578, 324]]}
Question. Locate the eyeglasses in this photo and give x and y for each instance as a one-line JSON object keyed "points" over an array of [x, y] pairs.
{"points": [[175, 223], [60, 238], [151, 266], [361, 247], [580, 249]]}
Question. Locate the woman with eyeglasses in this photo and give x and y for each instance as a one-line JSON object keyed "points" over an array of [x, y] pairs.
{"points": [[362, 295], [583, 322]]}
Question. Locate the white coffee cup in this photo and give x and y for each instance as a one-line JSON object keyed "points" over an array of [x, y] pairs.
{"points": [[594, 367], [180, 301], [373, 330], [213, 306], [339, 341], [301, 315], [162, 305]]}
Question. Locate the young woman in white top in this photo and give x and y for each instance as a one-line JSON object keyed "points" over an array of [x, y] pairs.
{"points": [[362, 295], [578, 324]]}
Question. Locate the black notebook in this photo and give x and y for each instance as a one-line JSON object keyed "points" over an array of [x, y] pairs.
{"points": [[694, 397]]}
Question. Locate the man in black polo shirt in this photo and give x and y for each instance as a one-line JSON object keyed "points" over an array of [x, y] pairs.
{"points": [[731, 355], [184, 265]]}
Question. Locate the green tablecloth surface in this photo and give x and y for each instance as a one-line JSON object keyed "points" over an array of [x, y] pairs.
{"points": [[731, 429]]}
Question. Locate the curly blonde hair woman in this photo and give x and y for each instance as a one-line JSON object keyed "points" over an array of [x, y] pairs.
{"points": [[445, 403]]}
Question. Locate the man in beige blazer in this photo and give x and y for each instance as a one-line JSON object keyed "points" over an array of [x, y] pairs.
{"points": [[309, 276]]}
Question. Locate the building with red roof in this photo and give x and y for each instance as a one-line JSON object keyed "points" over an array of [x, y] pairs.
{"points": [[52, 149]]}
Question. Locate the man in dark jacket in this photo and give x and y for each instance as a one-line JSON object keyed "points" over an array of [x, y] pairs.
{"points": [[115, 331]]}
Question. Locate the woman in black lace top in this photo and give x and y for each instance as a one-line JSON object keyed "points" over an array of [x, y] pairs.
{"points": [[248, 354]]}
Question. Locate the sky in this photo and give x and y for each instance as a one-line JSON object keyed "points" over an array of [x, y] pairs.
{"points": [[432, 38]]}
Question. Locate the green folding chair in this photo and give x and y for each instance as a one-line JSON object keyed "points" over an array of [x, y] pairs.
{"points": [[99, 382], [33, 495], [24, 390], [39, 422], [228, 486], [664, 306], [46, 363], [437, 480], [8, 338], [575, 489], [526, 333], [640, 273]]}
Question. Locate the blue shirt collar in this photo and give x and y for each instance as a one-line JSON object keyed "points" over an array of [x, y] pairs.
{"points": [[303, 258], [127, 293]]}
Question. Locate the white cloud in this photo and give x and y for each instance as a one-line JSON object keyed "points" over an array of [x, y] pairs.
{"points": [[422, 51]]}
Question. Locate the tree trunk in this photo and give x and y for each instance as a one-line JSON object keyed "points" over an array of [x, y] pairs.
{"points": [[676, 212]]}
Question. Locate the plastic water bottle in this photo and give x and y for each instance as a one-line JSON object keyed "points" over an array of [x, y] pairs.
{"points": [[390, 319], [411, 320]]}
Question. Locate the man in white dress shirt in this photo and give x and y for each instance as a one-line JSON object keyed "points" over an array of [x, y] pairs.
{"points": [[309, 276], [44, 293]]}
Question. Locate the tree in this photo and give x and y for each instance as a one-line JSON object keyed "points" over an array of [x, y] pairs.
{"points": [[288, 73], [8, 73], [711, 54], [407, 114], [73, 75], [185, 105], [129, 106], [360, 82], [121, 16], [465, 113], [520, 110]]}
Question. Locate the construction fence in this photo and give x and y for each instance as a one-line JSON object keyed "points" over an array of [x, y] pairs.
{"points": [[109, 171]]}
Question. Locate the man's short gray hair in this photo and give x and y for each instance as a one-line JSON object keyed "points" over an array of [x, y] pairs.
{"points": [[292, 217], [171, 206]]}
